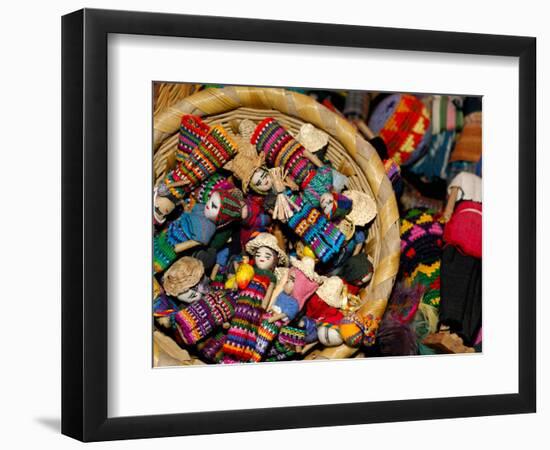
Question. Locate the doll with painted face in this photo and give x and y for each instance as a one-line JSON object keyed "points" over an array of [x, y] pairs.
{"points": [[240, 345], [185, 280], [197, 226], [214, 150]]}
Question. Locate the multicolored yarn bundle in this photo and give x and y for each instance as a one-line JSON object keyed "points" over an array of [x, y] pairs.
{"points": [[282, 150], [421, 249], [192, 132], [240, 345], [403, 122], [215, 150], [199, 319], [324, 238], [421, 239]]}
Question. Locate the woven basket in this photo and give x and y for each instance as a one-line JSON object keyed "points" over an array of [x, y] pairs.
{"points": [[291, 109]]}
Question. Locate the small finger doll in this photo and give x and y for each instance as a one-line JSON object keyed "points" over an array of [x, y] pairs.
{"points": [[321, 235], [203, 317], [301, 166], [248, 166], [197, 226], [242, 336], [183, 280], [324, 308], [301, 284], [215, 150]]}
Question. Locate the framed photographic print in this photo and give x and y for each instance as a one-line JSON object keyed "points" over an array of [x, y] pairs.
{"points": [[274, 225]]}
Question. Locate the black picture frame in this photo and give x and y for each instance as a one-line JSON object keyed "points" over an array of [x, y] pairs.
{"points": [[84, 224]]}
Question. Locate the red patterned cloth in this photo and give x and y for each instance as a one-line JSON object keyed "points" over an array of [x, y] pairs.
{"points": [[464, 229]]}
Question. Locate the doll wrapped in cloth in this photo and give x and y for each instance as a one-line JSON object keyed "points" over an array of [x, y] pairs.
{"points": [[192, 168], [201, 318], [321, 235], [197, 226], [299, 285], [240, 344], [301, 166]]}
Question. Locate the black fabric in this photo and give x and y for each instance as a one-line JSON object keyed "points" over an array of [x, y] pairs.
{"points": [[380, 146], [460, 307]]}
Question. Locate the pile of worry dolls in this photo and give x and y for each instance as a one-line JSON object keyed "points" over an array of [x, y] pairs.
{"points": [[259, 244]]}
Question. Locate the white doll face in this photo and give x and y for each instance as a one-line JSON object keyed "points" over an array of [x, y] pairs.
{"points": [[327, 202], [189, 296], [163, 206], [265, 258], [261, 181], [213, 206]]}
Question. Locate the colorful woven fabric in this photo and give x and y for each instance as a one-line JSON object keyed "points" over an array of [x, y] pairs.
{"points": [[240, 344], [216, 182], [322, 236], [292, 336], [211, 348], [282, 150], [189, 226], [257, 219], [192, 132], [320, 182], [199, 319], [403, 122], [232, 203], [214, 151], [267, 332]]}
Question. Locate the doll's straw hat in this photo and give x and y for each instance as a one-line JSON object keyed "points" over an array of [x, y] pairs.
{"points": [[269, 241], [185, 273]]}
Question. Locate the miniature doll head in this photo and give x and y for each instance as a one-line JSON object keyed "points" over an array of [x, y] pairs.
{"points": [[266, 251], [225, 206], [212, 208], [194, 293], [261, 181], [290, 281], [265, 258], [183, 279], [163, 205]]}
